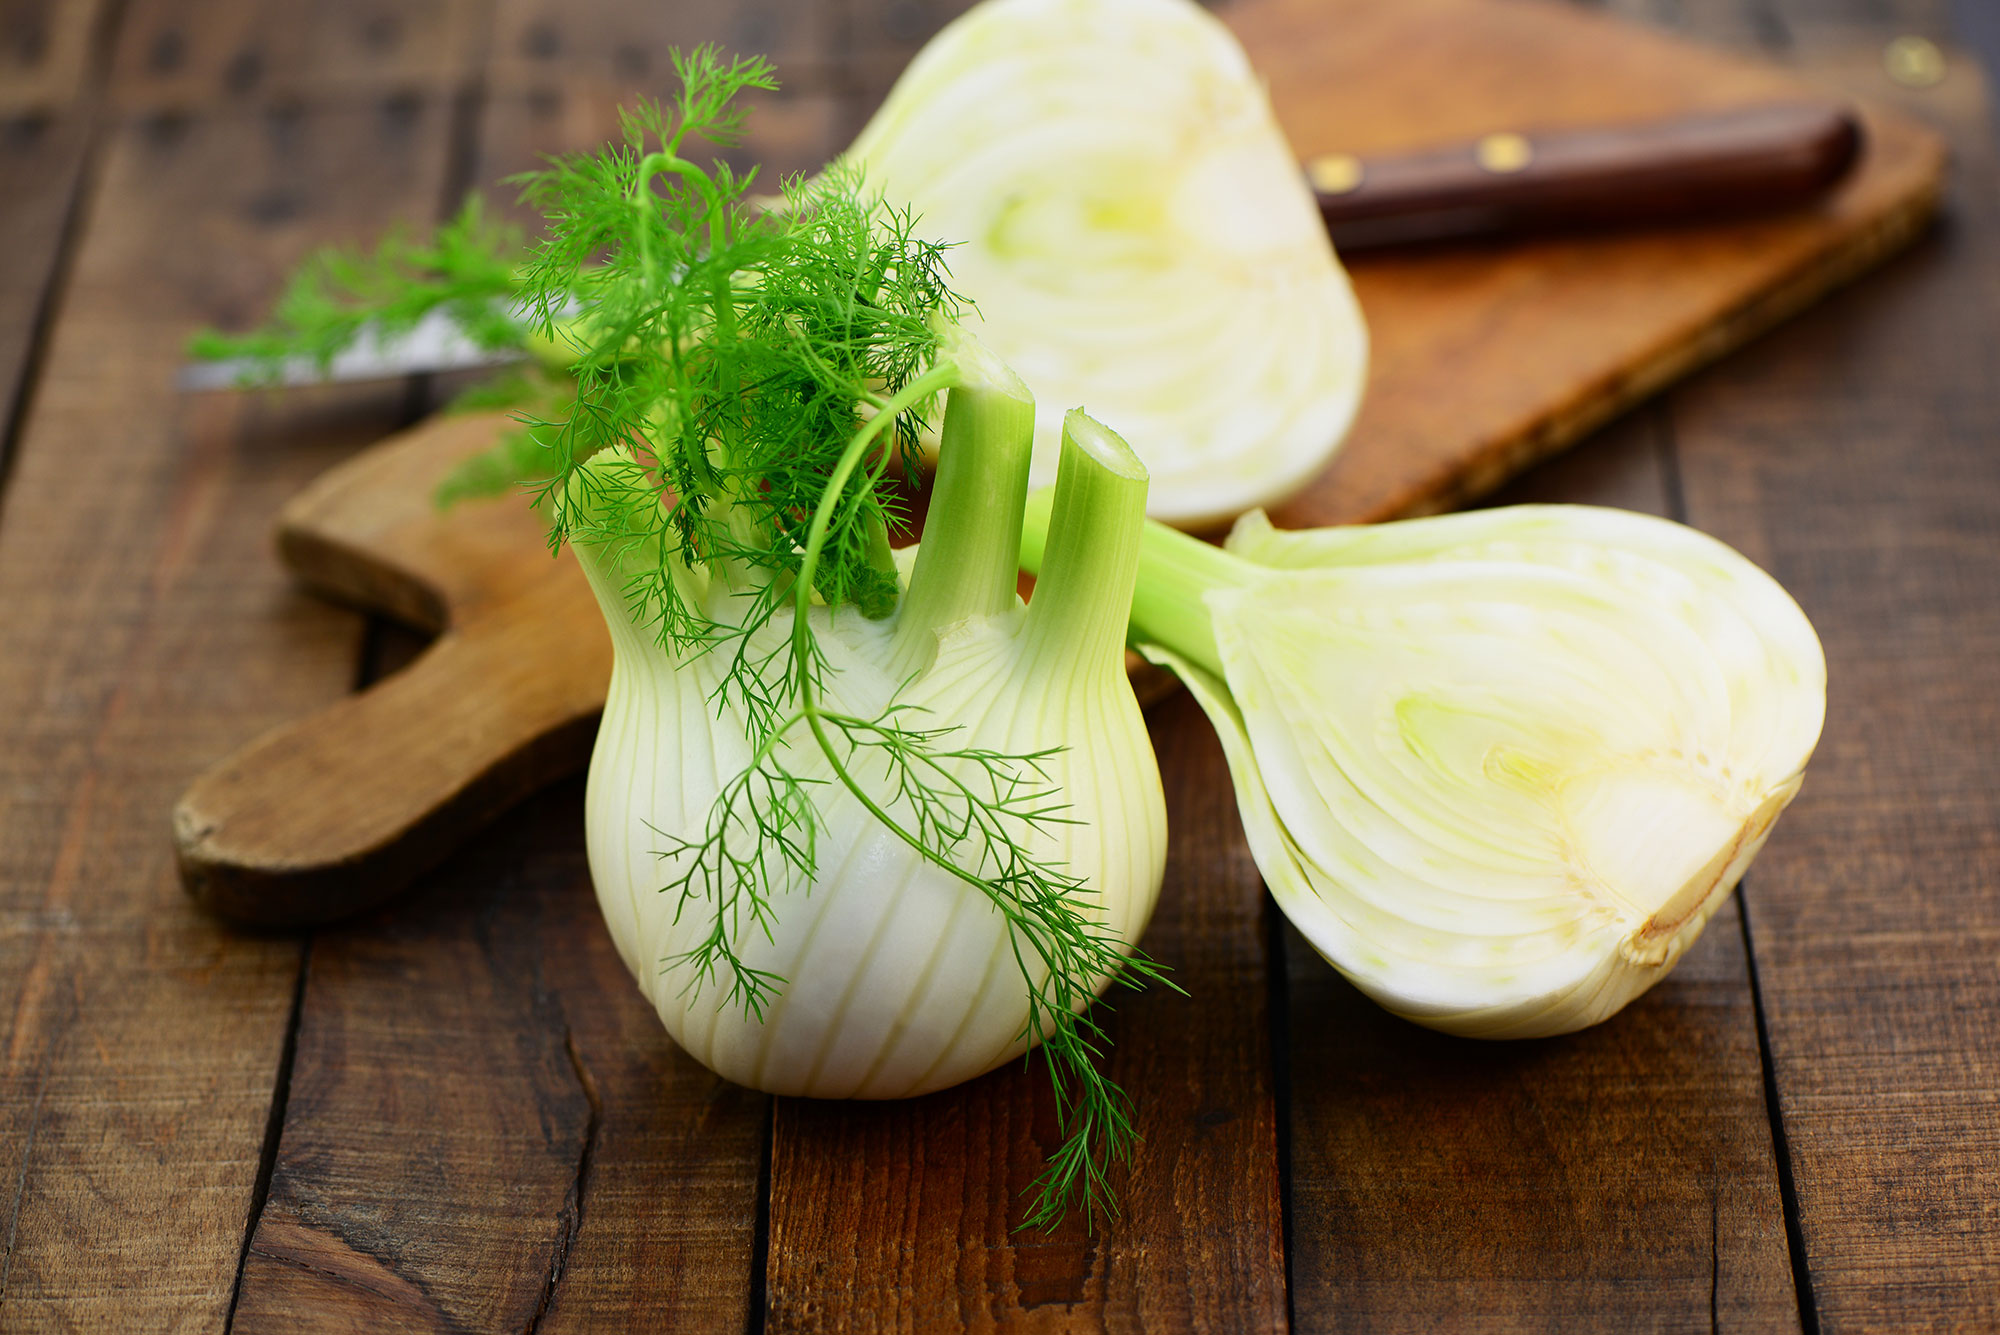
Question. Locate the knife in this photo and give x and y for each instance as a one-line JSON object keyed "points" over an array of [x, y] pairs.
{"points": [[1712, 165], [1709, 166], [436, 342]]}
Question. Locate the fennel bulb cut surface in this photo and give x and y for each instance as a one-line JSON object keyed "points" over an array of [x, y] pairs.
{"points": [[1137, 237], [1500, 768], [894, 977]]}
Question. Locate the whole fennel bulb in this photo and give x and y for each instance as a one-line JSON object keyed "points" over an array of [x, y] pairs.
{"points": [[1136, 235], [855, 835], [898, 978], [1500, 768]]}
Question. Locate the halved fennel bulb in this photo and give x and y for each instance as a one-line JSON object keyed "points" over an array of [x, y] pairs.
{"points": [[1500, 768], [1137, 237], [896, 977]]}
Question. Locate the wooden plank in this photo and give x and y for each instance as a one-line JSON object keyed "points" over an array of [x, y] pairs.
{"points": [[48, 54], [48, 49], [624, 48], [560, 72], [789, 132], [489, 1130], [41, 169], [183, 54], [1853, 457], [1740, 26], [879, 38], [148, 631], [902, 1216], [1618, 1178]]}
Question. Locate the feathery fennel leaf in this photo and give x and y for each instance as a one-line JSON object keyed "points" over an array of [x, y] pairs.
{"points": [[761, 377], [466, 267]]}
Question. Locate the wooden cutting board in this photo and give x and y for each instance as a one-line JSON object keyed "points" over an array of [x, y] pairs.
{"points": [[1485, 358]]}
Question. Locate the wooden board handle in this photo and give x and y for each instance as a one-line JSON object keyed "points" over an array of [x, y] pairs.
{"points": [[1720, 164], [338, 812]]}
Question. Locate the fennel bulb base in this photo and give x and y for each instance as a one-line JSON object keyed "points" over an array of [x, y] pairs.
{"points": [[1499, 768], [898, 979]]}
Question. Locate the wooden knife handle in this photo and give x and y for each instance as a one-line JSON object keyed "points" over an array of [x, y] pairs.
{"points": [[1749, 160]]}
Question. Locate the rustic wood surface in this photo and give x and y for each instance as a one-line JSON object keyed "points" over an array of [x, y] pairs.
{"points": [[1485, 359], [293, 830], [455, 1113], [146, 628], [1488, 358], [1626, 1169]]}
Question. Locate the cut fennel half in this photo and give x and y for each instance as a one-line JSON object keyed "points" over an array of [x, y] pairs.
{"points": [[1499, 768], [1137, 237]]}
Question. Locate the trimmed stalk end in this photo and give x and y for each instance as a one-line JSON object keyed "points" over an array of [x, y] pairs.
{"points": [[1105, 447], [979, 367], [966, 564], [1176, 572], [1088, 538]]}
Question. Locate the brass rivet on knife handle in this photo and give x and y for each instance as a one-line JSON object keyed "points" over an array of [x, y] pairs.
{"points": [[1914, 62], [1504, 153], [1334, 173], [1715, 164]]}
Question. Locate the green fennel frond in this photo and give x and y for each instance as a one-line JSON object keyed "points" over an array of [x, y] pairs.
{"points": [[748, 385], [465, 267], [729, 353]]}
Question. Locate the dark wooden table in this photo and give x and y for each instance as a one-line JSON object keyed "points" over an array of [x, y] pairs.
{"points": [[457, 1114]]}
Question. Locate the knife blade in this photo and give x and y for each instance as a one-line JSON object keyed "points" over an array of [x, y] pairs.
{"points": [[436, 342], [1712, 165]]}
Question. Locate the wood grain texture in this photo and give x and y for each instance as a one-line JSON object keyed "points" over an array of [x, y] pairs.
{"points": [[627, 47], [902, 1216], [475, 1134], [489, 1130], [331, 814], [50, 56], [176, 55], [148, 630], [862, 1197], [48, 52], [41, 170], [1854, 458], [1455, 402], [560, 72], [1616, 1179]]}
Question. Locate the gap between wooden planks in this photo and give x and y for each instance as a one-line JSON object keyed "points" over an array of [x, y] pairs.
{"points": [[1484, 358], [1853, 458], [387, 1244], [902, 1213], [147, 629]]}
